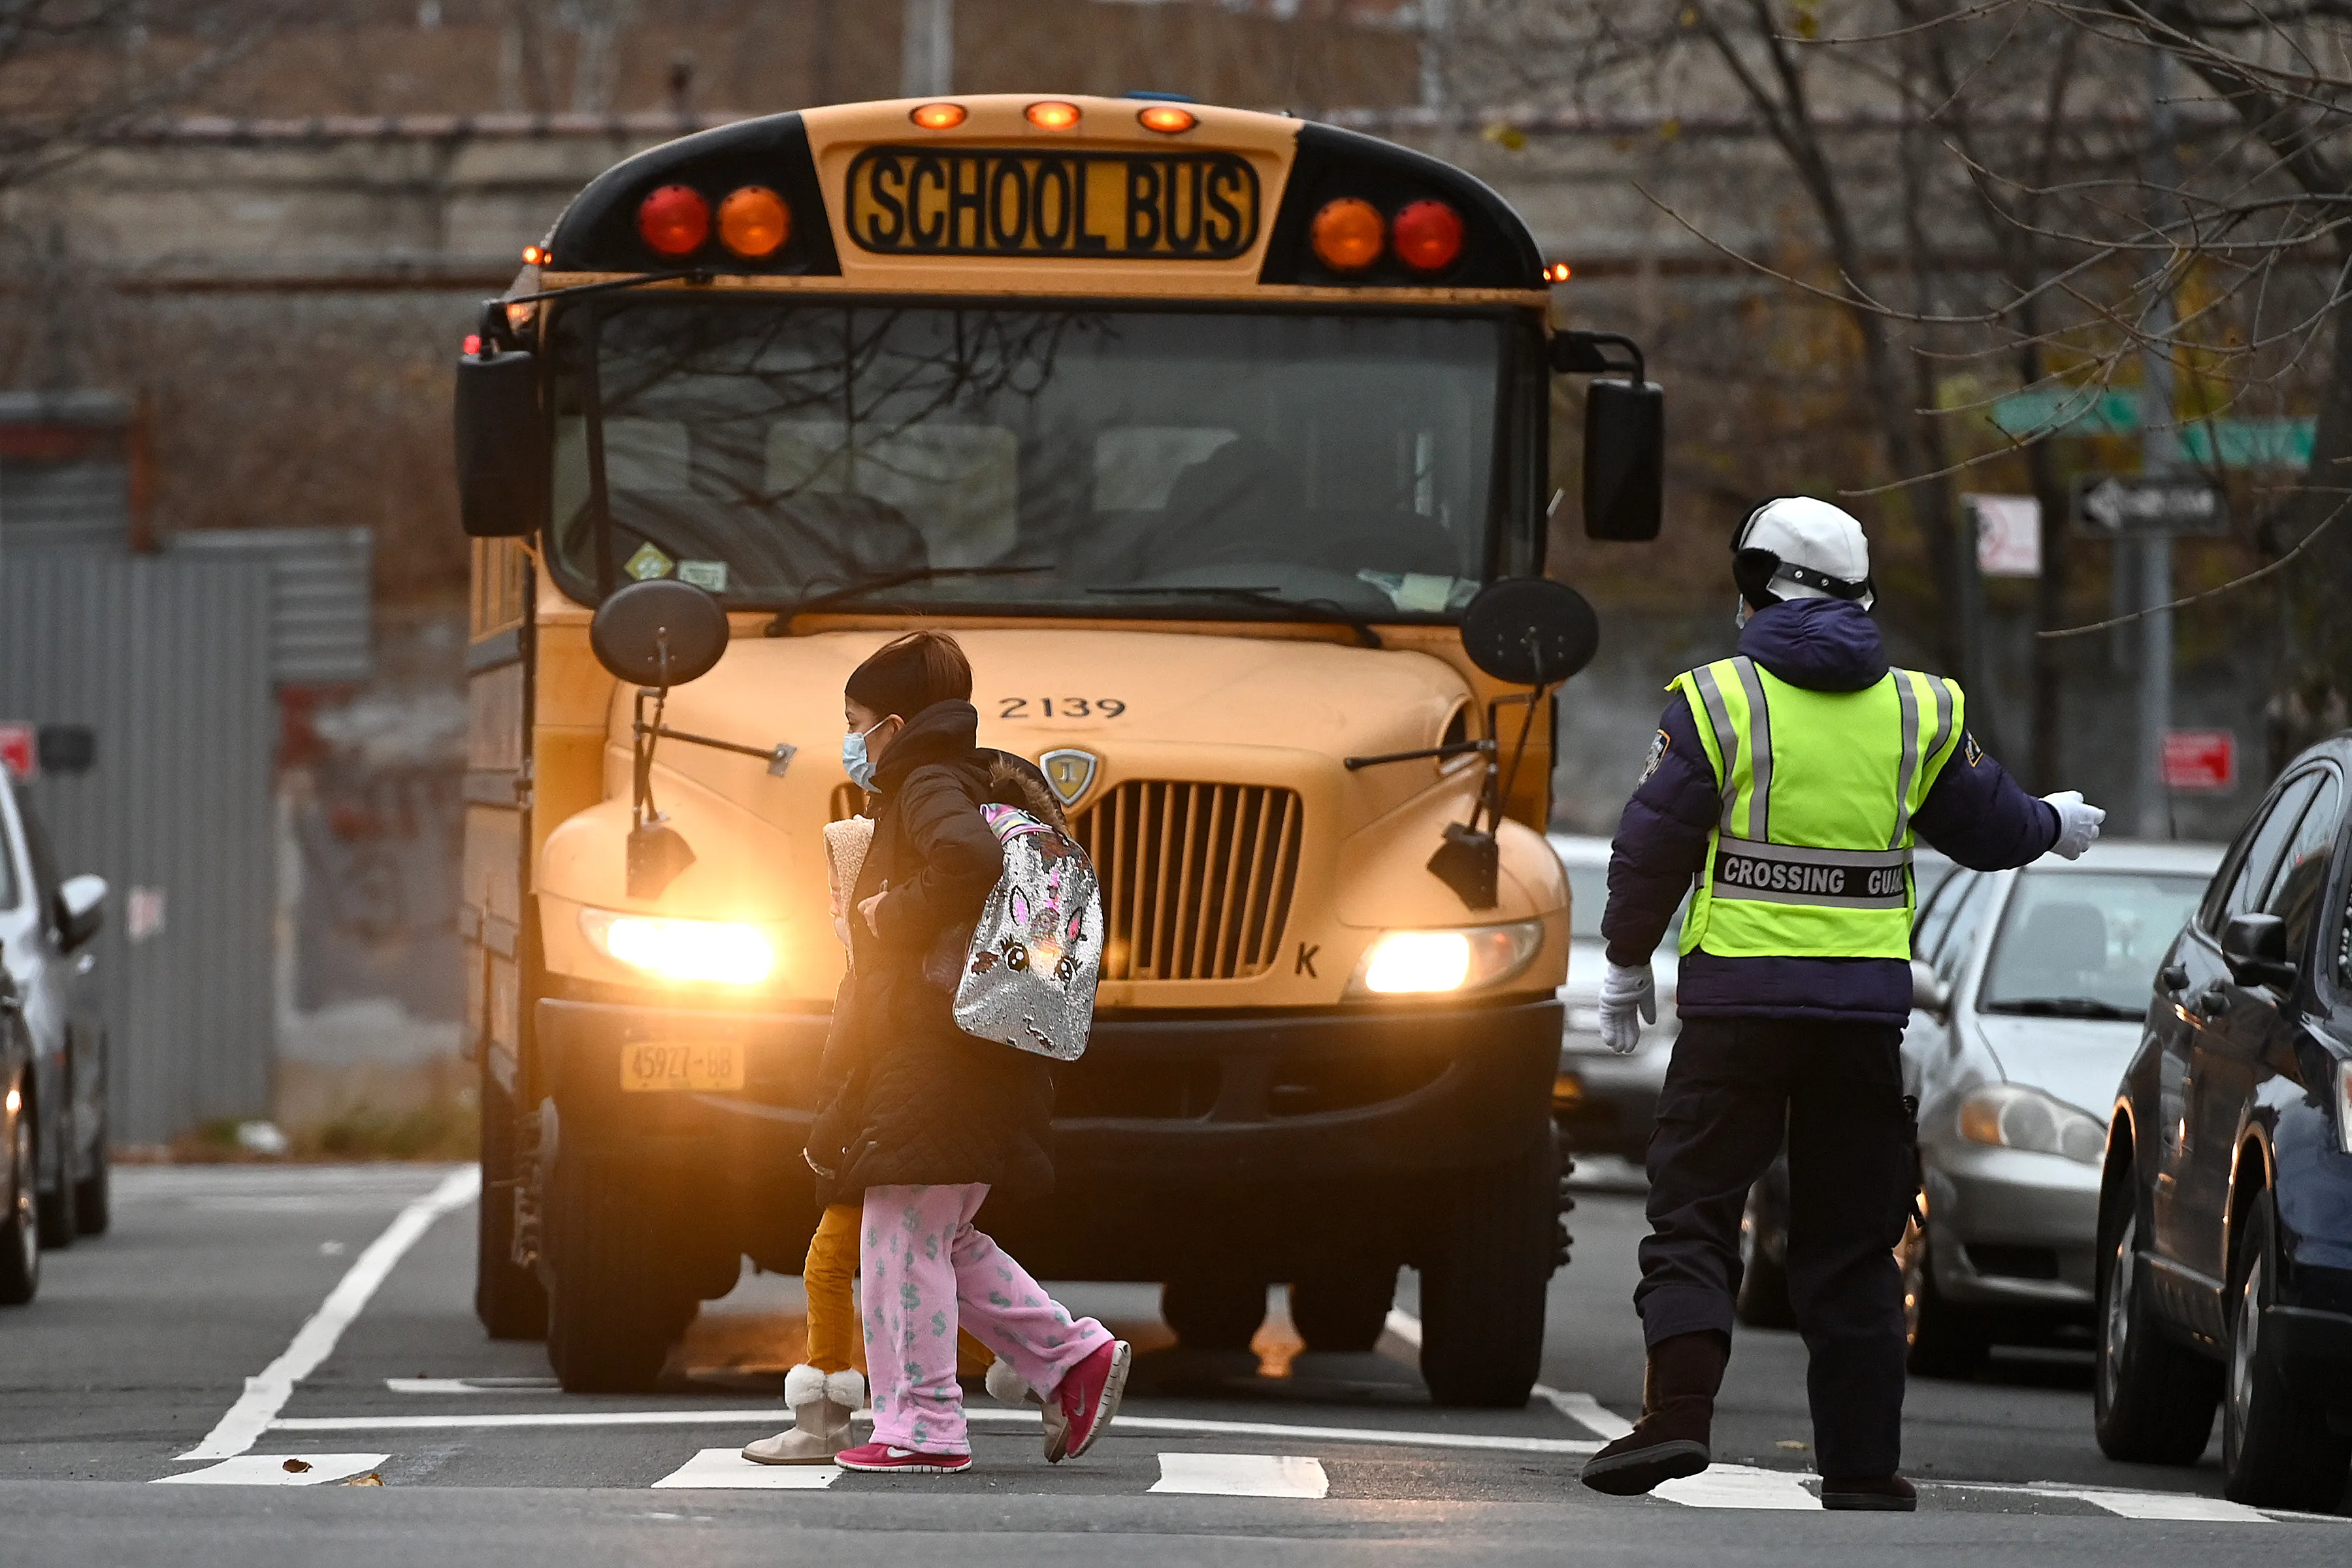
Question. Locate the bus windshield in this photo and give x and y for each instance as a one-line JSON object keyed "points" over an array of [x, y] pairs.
{"points": [[1209, 465]]}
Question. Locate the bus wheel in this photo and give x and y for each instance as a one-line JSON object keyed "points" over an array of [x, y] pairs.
{"points": [[609, 1325], [1214, 1311], [1484, 1284], [508, 1300], [1343, 1308]]}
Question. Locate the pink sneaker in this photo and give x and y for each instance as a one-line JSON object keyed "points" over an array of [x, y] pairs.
{"points": [[1089, 1397], [875, 1457]]}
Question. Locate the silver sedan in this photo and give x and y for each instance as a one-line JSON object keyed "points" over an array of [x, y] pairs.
{"points": [[2029, 989]]}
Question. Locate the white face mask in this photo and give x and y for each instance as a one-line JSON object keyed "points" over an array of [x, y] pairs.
{"points": [[854, 760]]}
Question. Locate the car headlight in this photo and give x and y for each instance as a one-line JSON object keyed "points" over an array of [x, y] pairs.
{"points": [[2012, 1116], [721, 952], [1440, 962]]}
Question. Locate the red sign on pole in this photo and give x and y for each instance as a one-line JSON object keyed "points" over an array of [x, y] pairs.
{"points": [[20, 749], [2201, 760]]}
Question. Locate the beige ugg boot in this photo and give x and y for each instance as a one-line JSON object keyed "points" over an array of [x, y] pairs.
{"points": [[821, 1404], [1007, 1387]]}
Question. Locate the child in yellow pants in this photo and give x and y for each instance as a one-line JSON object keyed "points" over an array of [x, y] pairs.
{"points": [[826, 1389]]}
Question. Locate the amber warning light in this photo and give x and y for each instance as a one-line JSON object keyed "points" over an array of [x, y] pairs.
{"points": [[1167, 119], [1053, 116], [939, 116], [753, 221], [1347, 233]]}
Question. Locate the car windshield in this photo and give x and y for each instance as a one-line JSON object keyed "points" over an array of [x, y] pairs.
{"points": [[2084, 944], [1107, 462]]}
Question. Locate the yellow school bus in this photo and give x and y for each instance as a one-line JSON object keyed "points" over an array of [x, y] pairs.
{"points": [[1203, 430]]}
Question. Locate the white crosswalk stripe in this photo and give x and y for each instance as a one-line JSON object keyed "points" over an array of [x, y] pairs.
{"points": [[277, 1471], [1241, 1475], [1740, 1486], [727, 1469]]}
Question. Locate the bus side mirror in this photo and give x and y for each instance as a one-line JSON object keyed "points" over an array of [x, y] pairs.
{"points": [[1625, 436], [655, 635], [1624, 460], [502, 446]]}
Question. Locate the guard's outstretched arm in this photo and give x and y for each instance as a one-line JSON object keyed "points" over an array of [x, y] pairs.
{"points": [[1981, 817]]}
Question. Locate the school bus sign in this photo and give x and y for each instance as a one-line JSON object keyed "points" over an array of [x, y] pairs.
{"points": [[1020, 201]]}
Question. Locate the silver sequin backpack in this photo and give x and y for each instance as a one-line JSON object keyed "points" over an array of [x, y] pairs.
{"points": [[1029, 976]]}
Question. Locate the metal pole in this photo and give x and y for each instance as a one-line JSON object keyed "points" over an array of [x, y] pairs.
{"points": [[927, 50], [2159, 455]]}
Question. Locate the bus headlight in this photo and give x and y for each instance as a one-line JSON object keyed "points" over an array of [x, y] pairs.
{"points": [[2012, 1116], [1438, 962], [720, 952]]}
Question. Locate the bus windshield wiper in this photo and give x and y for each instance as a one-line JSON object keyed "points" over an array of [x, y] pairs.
{"points": [[1298, 609], [781, 625], [2065, 1007]]}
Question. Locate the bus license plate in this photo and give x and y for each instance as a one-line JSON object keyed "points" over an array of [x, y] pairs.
{"points": [[655, 1065], [1053, 206]]}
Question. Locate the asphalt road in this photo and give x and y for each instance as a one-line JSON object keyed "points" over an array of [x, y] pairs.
{"points": [[230, 1314]]}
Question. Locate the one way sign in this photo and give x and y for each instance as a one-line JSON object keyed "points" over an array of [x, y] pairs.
{"points": [[2113, 506]]}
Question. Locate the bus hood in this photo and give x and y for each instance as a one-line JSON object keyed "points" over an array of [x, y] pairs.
{"points": [[1102, 710]]}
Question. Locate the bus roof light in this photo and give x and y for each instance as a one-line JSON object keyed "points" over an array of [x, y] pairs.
{"points": [[675, 220], [1054, 115], [1347, 233], [1167, 119], [534, 256], [939, 116], [1557, 272], [1429, 236], [753, 222]]}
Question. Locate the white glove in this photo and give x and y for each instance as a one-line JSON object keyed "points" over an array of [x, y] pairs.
{"points": [[1627, 992], [2078, 823]]}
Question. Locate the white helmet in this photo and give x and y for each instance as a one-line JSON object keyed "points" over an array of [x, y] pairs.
{"points": [[1800, 548]]}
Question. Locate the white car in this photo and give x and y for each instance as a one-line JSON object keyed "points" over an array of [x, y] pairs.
{"points": [[2030, 992], [1604, 1103]]}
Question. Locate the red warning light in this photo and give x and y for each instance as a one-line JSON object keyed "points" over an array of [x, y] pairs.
{"points": [[1428, 234], [675, 220]]}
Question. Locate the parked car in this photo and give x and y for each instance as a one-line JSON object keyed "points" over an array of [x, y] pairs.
{"points": [[20, 1224], [46, 927], [2225, 1197], [1605, 1103], [2029, 989]]}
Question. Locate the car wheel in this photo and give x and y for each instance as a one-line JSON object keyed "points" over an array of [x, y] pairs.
{"points": [[20, 1226], [1214, 1311], [1947, 1338], [2277, 1449], [1343, 1308], [508, 1298], [1484, 1284], [610, 1323], [2151, 1400], [1763, 1298]]}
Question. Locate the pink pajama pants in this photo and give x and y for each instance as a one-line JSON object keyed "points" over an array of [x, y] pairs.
{"points": [[922, 1269]]}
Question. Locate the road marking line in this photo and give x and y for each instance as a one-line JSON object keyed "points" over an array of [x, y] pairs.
{"points": [[1738, 1486], [1581, 1408], [727, 1467], [1241, 1475], [269, 1470], [1585, 1411], [2157, 1505], [266, 1396], [472, 1384], [1166, 1425]]}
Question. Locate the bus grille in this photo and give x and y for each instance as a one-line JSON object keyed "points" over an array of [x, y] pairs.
{"points": [[1196, 877]]}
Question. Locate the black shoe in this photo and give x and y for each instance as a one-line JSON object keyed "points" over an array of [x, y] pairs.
{"points": [[1884, 1494]]}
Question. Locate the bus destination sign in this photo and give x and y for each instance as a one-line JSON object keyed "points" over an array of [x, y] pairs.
{"points": [[1020, 201]]}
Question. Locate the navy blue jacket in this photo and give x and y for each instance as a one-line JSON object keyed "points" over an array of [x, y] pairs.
{"points": [[1974, 812]]}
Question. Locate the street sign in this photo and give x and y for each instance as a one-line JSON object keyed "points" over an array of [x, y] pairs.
{"points": [[20, 750], [2136, 506], [2201, 760], [2008, 534]]}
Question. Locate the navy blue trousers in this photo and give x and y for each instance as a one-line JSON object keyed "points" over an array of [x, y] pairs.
{"points": [[1733, 1087]]}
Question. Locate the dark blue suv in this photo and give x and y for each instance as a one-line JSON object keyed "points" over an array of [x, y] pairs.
{"points": [[2225, 1234]]}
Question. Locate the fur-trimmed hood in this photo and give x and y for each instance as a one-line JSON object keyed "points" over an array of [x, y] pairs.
{"points": [[1016, 781]]}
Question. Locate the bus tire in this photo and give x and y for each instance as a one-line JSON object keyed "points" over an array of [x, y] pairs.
{"points": [[1214, 1311], [1484, 1282], [508, 1298], [1343, 1308], [609, 1322]]}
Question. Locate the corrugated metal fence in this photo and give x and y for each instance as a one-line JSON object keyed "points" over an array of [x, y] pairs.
{"points": [[168, 659]]}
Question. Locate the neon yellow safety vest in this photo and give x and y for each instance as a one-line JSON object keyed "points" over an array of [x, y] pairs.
{"points": [[1811, 856]]}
